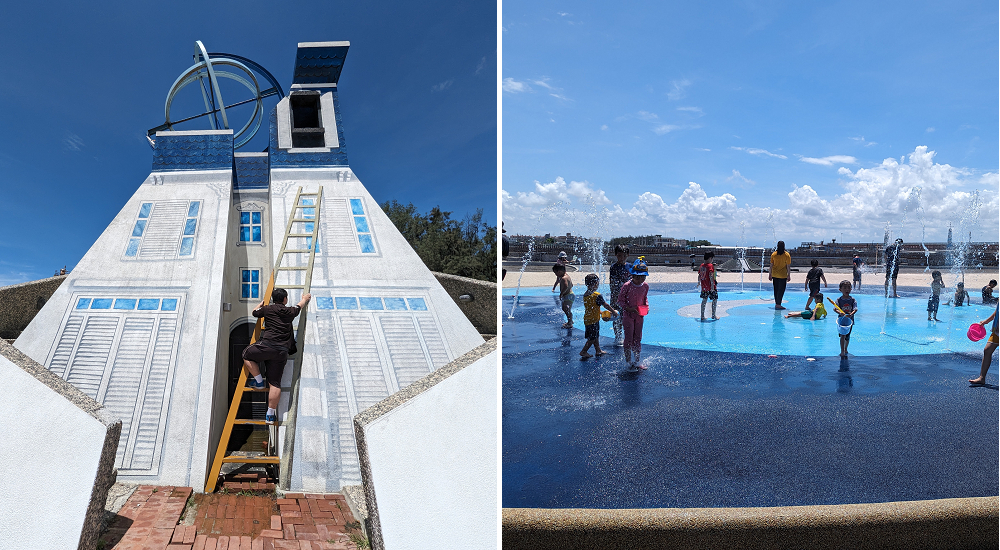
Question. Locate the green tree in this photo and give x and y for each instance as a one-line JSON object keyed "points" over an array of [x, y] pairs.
{"points": [[467, 248]]}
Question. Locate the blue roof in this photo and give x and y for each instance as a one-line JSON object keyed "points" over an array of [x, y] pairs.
{"points": [[319, 62]]}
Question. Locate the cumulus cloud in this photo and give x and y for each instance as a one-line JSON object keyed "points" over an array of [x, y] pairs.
{"points": [[915, 195], [755, 151], [513, 86], [831, 160]]}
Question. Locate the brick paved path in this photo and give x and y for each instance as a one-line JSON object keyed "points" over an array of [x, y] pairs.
{"points": [[149, 520]]}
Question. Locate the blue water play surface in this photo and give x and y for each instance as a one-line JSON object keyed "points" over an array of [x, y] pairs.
{"points": [[716, 422]]}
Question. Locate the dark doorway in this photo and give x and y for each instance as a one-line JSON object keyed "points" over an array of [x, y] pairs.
{"points": [[254, 404]]}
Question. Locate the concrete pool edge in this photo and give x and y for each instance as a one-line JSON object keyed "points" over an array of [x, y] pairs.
{"points": [[972, 522]]}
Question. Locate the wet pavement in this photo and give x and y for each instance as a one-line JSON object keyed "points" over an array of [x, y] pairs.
{"points": [[704, 428]]}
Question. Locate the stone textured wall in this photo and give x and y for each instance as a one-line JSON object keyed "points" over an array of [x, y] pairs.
{"points": [[482, 310], [19, 303]]}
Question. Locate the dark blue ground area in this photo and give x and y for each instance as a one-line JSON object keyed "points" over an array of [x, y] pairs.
{"points": [[715, 429]]}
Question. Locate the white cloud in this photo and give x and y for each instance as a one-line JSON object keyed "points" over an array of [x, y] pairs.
{"points": [[604, 126], [481, 65], [543, 83], [647, 116], [863, 141], [701, 149], [739, 180], [72, 142], [754, 151], [666, 128], [831, 160], [930, 129], [444, 85], [915, 195], [513, 86], [679, 89], [696, 110]]}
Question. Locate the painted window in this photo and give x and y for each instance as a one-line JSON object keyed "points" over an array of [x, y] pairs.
{"points": [[128, 304], [132, 249], [249, 284], [190, 227], [371, 303], [361, 227], [154, 231], [250, 226]]}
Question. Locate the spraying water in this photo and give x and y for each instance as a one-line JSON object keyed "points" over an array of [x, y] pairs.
{"points": [[529, 254]]}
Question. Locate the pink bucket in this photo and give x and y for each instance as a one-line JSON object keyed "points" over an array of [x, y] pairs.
{"points": [[976, 332], [643, 310]]}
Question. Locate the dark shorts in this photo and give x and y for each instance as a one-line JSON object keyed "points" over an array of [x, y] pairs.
{"points": [[273, 358], [857, 274], [893, 274], [592, 332], [710, 294], [813, 289], [933, 303]]}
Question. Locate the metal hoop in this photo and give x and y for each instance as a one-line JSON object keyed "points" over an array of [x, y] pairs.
{"points": [[197, 72]]}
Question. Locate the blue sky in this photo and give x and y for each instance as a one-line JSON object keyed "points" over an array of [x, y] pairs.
{"points": [[746, 122], [82, 82]]}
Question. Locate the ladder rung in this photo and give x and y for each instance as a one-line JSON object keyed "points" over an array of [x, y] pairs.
{"points": [[239, 459], [248, 388], [293, 286], [297, 251], [301, 235], [250, 422], [303, 268], [303, 219]]}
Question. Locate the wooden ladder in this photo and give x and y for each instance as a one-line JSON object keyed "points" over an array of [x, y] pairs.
{"points": [[305, 210]]}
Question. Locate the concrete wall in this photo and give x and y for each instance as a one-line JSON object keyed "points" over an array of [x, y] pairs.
{"points": [[482, 309], [19, 303], [58, 456], [429, 458], [959, 523]]}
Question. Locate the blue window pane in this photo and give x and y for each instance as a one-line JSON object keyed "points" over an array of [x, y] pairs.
{"points": [[309, 201], [187, 244], [254, 275], [140, 226], [255, 291], [245, 218], [356, 208], [190, 226], [125, 303], [346, 303], [395, 304], [245, 275], [193, 209], [149, 303], [101, 303], [244, 234], [324, 302], [309, 242], [361, 223], [144, 209], [367, 246], [417, 304], [256, 233], [309, 227], [309, 213], [246, 291], [169, 304], [83, 303], [256, 217], [371, 303], [133, 247]]}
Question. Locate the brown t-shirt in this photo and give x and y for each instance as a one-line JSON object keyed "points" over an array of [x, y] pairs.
{"points": [[277, 323]]}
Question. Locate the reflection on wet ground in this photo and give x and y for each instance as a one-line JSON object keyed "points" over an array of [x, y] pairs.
{"points": [[707, 428]]}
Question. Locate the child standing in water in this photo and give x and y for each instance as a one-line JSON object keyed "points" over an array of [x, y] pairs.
{"points": [[812, 282], [619, 276], [935, 300], [991, 346], [848, 307], [708, 284], [592, 303], [632, 297], [566, 296]]}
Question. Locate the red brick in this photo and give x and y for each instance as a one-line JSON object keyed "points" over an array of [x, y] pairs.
{"points": [[280, 544], [276, 522], [245, 543], [223, 543], [178, 536], [281, 501], [230, 512], [294, 495], [190, 534], [199, 542], [306, 536], [327, 515], [304, 529], [289, 508], [257, 544], [273, 533], [211, 543], [289, 530], [179, 547], [268, 544], [290, 514]]}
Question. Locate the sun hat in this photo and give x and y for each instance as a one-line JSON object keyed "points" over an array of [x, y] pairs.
{"points": [[976, 332], [562, 254], [639, 267], [844, 324]]}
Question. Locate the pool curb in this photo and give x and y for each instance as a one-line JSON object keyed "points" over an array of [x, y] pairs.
{"points": [[944, 523]]}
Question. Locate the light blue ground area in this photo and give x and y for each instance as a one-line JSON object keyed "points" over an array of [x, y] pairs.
{"points": [[749, 323]]}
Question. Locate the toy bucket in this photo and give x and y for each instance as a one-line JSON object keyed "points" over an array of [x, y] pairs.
{"points": [[845, 323], [606, 315], [643, 310], [976, 332]]}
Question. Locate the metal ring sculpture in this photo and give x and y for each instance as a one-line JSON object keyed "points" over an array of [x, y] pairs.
{"points": [[215, 108]]}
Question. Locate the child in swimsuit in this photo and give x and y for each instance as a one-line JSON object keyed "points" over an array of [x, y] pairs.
{"points": [[566, 296]]}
